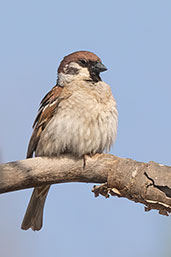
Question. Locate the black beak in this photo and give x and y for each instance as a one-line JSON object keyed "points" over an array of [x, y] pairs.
{"points": [[99, 67]]}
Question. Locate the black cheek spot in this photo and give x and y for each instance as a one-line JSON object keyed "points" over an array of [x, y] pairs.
{"points": [[72, 71]]}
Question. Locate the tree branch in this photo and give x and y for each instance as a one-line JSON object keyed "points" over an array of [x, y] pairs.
{"points": [[147, 183]]}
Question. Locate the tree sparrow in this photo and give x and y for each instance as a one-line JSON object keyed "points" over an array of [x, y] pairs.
{"points": [[77, 116]]}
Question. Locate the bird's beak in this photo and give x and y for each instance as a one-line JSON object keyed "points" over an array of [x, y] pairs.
{"points": [[100, 67]]}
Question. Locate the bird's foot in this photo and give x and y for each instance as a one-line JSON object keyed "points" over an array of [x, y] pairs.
{"points": [[85, 157]]}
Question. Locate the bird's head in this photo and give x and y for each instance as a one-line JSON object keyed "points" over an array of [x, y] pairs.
{"points": [[82, 65]]}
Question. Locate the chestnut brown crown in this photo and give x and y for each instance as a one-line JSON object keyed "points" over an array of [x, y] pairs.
{"points": [[76, 56]]}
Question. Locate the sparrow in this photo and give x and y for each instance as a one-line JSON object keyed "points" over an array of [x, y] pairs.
{"points": [[77, 116]]}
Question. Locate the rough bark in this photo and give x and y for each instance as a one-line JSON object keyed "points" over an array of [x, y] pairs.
{"points": [[147, 183]]}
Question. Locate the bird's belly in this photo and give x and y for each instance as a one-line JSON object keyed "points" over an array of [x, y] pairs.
{"points": [[78, 133]]}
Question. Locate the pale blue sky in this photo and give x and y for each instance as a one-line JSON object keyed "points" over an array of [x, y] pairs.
{"points": [[133, 38]]}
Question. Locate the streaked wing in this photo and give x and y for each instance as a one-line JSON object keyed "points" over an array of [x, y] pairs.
{"points": [[47, 108]]}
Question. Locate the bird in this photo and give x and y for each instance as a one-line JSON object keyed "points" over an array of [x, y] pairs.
{"points": [[77, 116]]}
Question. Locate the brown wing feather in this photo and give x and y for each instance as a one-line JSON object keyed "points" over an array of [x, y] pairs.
{"points": [[47, 108]]}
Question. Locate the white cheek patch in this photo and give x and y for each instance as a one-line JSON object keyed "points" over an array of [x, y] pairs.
{"points": [[73, 65], [82, 74]]}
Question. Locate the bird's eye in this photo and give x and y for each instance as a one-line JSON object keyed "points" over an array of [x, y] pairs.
{"points": [[83, 62]]}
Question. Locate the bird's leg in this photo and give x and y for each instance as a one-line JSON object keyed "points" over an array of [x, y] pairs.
{"points": [[84, 161], [85, 157]]}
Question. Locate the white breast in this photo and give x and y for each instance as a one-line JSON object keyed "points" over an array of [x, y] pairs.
{"points": [[83, 124]]}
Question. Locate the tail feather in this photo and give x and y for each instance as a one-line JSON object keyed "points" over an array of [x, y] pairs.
{"points": [[34, 214]]}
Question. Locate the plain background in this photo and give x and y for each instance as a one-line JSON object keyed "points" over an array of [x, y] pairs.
{"points": [[133, 38]]}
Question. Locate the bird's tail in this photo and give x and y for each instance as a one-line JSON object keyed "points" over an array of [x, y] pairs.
{"points": [[34, 214]]}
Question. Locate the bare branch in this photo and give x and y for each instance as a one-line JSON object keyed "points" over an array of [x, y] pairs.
{"points": [[147, 183]]}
